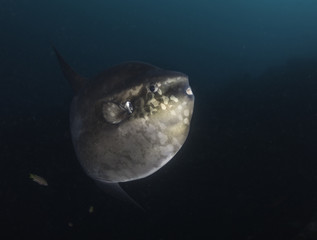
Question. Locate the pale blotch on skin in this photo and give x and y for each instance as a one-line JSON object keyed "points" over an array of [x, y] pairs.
{"points": [[151, 128], [186, 112], [153, 137], [173, 98], [165, 100], [154, 102], [167, 150], [163, 138], [163, 106], [186, 121], [170, 81], [162, 126], [111, 110], [132, 92], [153, 110]]}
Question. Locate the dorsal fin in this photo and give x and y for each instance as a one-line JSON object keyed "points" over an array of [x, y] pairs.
{"points": [[75, 80]]}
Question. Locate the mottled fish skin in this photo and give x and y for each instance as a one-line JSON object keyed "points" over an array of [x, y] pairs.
{"points": [[145, 139], [128, 121]]}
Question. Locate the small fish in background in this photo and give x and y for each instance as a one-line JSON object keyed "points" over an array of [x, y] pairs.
{"points": [[38, 179]]}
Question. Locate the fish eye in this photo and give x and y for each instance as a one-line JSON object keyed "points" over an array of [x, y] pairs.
{"points": [[153, 87], [128, 106]]}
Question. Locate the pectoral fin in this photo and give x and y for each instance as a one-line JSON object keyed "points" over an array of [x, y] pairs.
{"points": [[113, 113]]}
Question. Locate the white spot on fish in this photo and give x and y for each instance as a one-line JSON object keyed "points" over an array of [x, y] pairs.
{"points": [[163, 106], [173, 98], [133, 92], [165, 100], [170, 80], [186, 112], [186, 121]]}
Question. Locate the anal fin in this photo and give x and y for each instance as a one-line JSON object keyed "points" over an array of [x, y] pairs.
{"points": [[116, 191]]}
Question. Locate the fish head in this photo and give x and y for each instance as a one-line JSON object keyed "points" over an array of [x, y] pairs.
{"points": [[165, 104]]}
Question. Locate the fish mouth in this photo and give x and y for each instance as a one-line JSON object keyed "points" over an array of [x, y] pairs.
{"points": [[182, 83], [189, 91], [182, 87]]}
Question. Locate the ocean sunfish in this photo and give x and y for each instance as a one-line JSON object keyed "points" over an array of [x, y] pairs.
{"points": [[128, 121]]}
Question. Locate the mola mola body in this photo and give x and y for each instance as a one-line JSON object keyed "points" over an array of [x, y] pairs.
{"points": [[128, 121]]}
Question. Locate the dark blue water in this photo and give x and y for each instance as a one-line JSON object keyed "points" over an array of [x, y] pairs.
{"points": [[248, 169]]}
